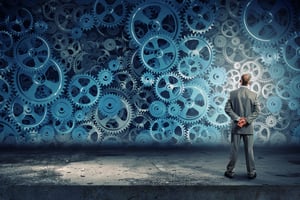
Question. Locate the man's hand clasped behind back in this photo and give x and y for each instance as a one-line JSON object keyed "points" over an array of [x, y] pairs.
{"points": [[242, 122]]}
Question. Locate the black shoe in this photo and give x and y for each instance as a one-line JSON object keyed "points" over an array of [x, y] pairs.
{"points": [[229, 174], [253, 176]]}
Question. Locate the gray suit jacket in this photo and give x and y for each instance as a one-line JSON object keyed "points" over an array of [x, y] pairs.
{"points": [[242, 103]]}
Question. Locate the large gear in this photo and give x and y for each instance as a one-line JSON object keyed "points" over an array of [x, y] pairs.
{"points": [[84, 90], [198, 48], [199, 17], [267, 22], [21, 22], [32, 52], [153, 17], [159, 53], [109, 13], [194, 103], [291, 52], [43, 86], [169, 87]]}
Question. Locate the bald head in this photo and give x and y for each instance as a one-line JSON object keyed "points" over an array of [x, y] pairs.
{"points": [[245, 79]]}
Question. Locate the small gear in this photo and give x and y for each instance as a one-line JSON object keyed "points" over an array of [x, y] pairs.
{"points": [[190, 68], [105, 77], [62, 109], [76, 33], [174, 109], [271, 121], [216, 76], [201, 134], [47, 134], [110, 105], [148, 79], [40, 27], [274, 104], [293, 104], [86, 22], [158, 109]]}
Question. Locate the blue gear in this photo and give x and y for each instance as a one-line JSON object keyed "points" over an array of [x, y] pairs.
{"points": [[62, 109], [190, 68], [169, 87], [8, 134], [293, 104], [290, 52], [174, 109], [110, 105], [155, 17], [47, 134], [144, 138], [158, 109], [216, 114], [105, 77], [43, 86], [84, 90], [201, 134], [199, 48], [143, 98], [40, 27], [277, 71], [26, 115], [217, 76], [20, 22], [114, 64], [86, 22], [159, 53], [148, 79], [199, 17], [194, 103], [295, 86], [274, 104], [79, 135], [76, 33], [109, 13], [64, 127], [168, 131], [266, 27], [32, 52]]}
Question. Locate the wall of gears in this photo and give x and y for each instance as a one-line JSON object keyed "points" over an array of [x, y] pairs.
{"points": [[153, 72]]}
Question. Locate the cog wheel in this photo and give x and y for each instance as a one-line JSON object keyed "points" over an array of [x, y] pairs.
{"points": [[143, 98], [63, 17], [271, 121], [159, 53], [105, 77], [274, 104], [233, 53], [293, 104], [61, 109], [114, 64], [119, 122], [291, 52], [216, 114], [142, 121], [47, 134], [154, 18], [32, 52], [267, 22], [109, 13], [86, 22], [169, 87], [6, 41], [200, 134], [269, 55], [174, 109], [230, 28], [63, 128], [190, 68], [79, 135], [20, 22], [252, 67], [76, 33], [158, 109], [26, 115], [199, 17], [268, 90], [263, 133], [283, 88], [148, 79], [295, 86], [198, 48], [277, 71], [109, 105], [194, 104], [40, 27], [167, 131], [43, 86], [84, 90], [233, 79], [216, 76], [125, 81]]}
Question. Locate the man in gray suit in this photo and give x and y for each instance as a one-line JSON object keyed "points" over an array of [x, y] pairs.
{"points": [[243, 108]]}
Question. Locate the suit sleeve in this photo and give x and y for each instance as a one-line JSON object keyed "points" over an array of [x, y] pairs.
{"points": [[256, 111], [229, 111]]}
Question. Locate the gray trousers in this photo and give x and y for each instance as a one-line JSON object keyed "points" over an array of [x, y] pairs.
{"points": [[248, 149]]}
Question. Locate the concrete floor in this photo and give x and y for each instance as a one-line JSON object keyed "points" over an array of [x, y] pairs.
{"points": [[200, 167]]}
